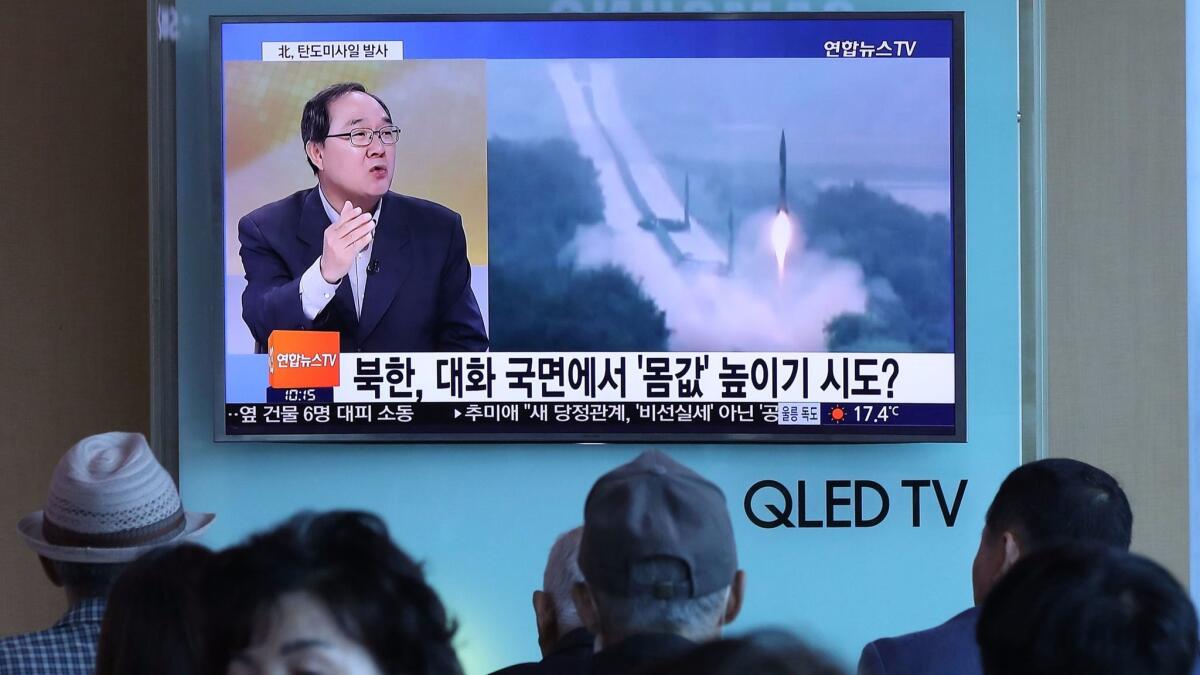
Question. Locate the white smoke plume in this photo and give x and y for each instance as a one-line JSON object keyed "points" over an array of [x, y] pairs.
{"points": [[749, 309]]}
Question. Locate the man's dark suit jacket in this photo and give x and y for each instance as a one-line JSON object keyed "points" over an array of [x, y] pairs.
{"points": [[948, 649], [418, 299], [628, 657], [569, 657], [637, 653]]}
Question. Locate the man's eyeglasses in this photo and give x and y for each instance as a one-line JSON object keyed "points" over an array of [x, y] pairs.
{"points": [[361, 138]]}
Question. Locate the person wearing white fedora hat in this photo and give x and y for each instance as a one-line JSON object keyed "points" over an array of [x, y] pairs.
{"points": [[109, 501]]}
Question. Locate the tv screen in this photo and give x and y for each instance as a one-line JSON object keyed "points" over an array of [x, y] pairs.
{"points": [[643, 227]]}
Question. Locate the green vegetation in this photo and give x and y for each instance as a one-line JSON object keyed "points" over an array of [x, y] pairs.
{"points": [[539, 194], [907, 260]]}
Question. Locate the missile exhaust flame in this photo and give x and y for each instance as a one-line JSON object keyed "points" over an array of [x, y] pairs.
{"points": [[781, 239]]}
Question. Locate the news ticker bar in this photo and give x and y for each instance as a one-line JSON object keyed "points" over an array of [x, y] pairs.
{"points": [[622, 417], [611, 377]]}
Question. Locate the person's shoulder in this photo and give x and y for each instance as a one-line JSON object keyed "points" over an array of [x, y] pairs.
{"points": [[44, 651], [281, 210], [547, 667], [425, 209], [11, 649], [949, 647], [15, 645], [519, 669], [959, 625]]}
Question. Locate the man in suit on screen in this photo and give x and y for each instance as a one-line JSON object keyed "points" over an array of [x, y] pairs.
{"points": [[387, 271]]}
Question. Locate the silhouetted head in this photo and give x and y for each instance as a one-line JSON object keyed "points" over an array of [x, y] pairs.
{"points": [[1047, 502], [1087, 610]]}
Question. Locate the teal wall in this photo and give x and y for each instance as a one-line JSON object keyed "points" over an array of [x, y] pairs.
{"points": [[483, 516]]}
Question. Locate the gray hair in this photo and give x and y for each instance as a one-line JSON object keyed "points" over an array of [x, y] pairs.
{"points": [[562, 573], [696, 619]]}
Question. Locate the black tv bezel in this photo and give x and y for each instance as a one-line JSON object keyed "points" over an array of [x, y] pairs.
{"points": [[884, 435]]}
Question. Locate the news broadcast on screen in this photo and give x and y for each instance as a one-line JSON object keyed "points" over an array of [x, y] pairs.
{"points": [[592, 228]]}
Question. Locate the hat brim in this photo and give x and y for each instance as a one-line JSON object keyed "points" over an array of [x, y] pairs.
{"points": [[30, 529]]}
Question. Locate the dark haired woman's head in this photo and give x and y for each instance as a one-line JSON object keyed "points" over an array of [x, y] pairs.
{"points": [[323, 594], [1089, 610], [153, 620], [762, 653]]}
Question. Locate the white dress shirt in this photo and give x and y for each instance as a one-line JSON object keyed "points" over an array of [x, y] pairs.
{"points": [[315, 292]]}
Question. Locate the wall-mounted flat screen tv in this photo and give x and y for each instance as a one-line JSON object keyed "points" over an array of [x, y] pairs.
{"points": [[592, 228]]}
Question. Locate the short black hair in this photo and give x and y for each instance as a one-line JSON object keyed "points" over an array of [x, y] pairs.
{"points": [[314, 122], [1087, 609], [1058, 500], [345, 559], [154, 617], [768, 652], [87, 580]]}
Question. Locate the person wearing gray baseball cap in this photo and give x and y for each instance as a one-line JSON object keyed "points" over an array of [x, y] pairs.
{"points": [[109, 502], [659, 564]]}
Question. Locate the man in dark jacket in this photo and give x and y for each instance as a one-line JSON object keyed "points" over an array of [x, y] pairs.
{"points": [[565, 643], [1039, 504]]}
